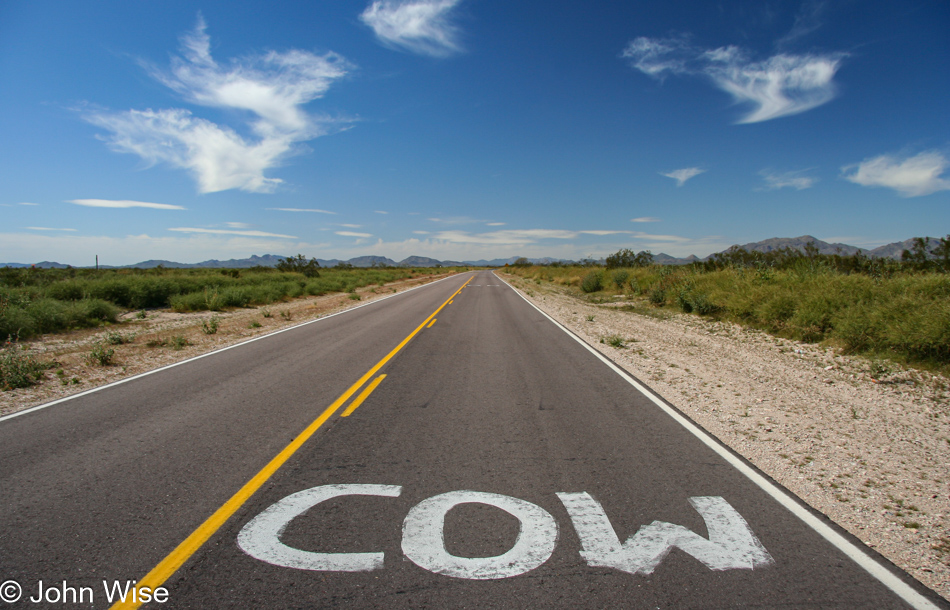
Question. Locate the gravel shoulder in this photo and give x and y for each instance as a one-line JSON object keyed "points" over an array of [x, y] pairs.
{"points": [[871, 453]]}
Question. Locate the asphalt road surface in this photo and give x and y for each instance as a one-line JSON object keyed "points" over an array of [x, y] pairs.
{"points": [[486, 459]]}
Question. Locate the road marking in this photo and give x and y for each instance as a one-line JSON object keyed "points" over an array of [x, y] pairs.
{"points": [[423, 537], [432, 322], [731, 544], [260, 538], [218, 351], [363, 395], [783, 497], [450, 302], [190, 545]]}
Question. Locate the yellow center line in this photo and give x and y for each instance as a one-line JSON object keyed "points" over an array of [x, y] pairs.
{"points": [[432, 322], [363, 395], [190, 545]]}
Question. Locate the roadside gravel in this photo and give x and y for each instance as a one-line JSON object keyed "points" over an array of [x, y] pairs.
{"points": [[873, 454]]}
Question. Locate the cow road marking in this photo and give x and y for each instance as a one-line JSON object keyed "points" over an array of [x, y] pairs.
{"points": [[363, 396], [423, 537], [261, 537], [731, 544]]}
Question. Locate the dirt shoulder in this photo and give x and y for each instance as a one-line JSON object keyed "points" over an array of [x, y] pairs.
{"points": [[164, 337], [870, 452]]}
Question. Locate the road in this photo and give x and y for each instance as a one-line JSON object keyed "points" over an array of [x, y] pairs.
{"points": [[490, 460]]}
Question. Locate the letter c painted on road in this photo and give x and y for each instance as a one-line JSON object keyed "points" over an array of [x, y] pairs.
{"points": [[260, 538], [423, 539]]}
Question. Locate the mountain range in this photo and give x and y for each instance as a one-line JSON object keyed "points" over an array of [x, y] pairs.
{"points": [[893, 250]]}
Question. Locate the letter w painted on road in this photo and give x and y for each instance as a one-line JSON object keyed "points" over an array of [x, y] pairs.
{"points": [[731, 544]]}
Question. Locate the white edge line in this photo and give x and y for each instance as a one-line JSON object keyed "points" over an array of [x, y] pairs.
{"points": [[895, 584], [214, 352]]}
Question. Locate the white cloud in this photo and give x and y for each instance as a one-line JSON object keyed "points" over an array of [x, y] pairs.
{"points": [[313, 210], [645, 219], [231, 232], [495, 224], [349, 226], [606, 232], [27, 203], [911, 176], [419, 26], [457, 220], [778, 180], [110, 203], [237, 225], [273, 87], [380, 212], [781, 85], [353, 234], [77, 250], [656, 56], [46, 229], [682, 175]]}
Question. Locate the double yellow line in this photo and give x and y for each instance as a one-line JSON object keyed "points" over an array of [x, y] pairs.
{"points": [[190, 545]]}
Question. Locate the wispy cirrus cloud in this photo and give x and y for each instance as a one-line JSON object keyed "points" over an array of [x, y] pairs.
{"points": [[311, 210], [231, 232], [778, 180], [910, 176], [682, 175], [46, 229], [456, 220], [419, 26], [123, 203], [808, 19], [272, 87], [353, 234], [781, 85], [645, 219]]}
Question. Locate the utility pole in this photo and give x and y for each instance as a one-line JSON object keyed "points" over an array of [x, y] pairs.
{"points": [[97, 262]]}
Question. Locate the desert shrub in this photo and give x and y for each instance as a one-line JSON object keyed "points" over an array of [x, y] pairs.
{"points": [[657, 296], [593, 281], [101, 354], [210, 326], [620, 278], [19, 368]]}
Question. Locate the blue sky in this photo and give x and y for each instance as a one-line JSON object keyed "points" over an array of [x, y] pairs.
{"points": [[467, 129]]}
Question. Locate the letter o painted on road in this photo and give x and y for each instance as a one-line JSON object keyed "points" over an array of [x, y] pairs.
{"points": [[423, 537]]}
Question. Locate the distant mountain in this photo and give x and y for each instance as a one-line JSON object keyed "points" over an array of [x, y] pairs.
{"points": [[369, 261], [666, 259], [893, 251], [799, 243], [420, 261]]}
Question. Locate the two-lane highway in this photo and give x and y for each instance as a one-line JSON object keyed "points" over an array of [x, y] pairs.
{"points": [[486, 459]]}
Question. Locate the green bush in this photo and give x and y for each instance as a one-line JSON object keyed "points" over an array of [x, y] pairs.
{"points": [[593, 281], [101, 354], [19, 368]]}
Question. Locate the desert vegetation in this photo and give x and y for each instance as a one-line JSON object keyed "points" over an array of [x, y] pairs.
{"points": [[38, 301], [880, 308]]}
